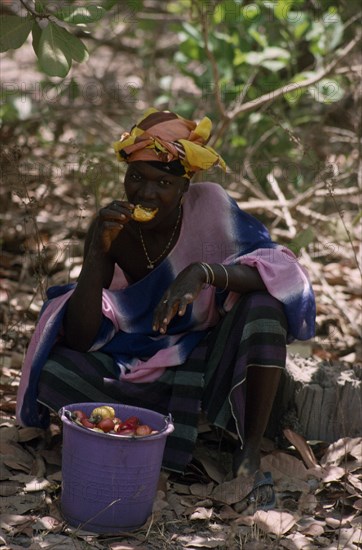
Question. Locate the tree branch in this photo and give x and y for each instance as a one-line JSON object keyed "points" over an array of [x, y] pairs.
{"points": [[213, 63], [293, 86], [32, 12], [271, 179]]}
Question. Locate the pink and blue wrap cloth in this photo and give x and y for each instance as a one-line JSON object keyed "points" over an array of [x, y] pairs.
{"points": [[214, 230]]}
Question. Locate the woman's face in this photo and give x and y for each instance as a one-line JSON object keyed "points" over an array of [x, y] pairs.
{"points": [[153, 188]]}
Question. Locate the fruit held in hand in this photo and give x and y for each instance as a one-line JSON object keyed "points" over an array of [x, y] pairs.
{"points": [[143, 214]]}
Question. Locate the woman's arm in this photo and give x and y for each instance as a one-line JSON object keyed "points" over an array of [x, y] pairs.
{"points": [[83, 316], [235, 278], [84, 310], [188, 284]]}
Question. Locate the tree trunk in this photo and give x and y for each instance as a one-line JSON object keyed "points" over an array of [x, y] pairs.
{"points": [[319, 400]]}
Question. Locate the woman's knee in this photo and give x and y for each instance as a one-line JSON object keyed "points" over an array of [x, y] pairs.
{"points": [[264, 305]]}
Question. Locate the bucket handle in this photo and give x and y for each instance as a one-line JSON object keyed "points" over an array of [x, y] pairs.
{"points": [[169, 426]]}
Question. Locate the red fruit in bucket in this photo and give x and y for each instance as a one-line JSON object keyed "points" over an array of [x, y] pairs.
{"points": [[78, 415], [127, 426], [143, 430], [107, 425], [102, 419], [85, 422], [132, 421], [130, 424]]}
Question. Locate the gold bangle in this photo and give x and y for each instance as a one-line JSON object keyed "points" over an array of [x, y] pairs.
{"points": [[205, 270], [227, 278], [208, 267]]}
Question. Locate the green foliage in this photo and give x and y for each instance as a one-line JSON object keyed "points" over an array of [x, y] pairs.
{"points": [[55, 47], [199, 58], [76, 15], [56, 50], [257, 49], [14, 30]]}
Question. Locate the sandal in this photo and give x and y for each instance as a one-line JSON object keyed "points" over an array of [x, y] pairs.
{"points": [[259, 499]]}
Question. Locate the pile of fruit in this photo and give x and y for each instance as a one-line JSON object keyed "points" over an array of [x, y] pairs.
{"points": [[103, 419]]}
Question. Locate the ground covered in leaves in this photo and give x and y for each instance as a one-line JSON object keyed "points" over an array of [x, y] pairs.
{"points": [[318, 489]]}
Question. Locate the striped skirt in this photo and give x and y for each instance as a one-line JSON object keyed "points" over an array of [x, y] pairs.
{"points": [[212, 379]]}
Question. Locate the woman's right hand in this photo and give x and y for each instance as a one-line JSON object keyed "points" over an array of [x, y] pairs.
{"points": [[110, 221]]}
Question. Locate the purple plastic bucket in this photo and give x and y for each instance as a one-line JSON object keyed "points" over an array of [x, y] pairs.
{"points": [[109, 482]]}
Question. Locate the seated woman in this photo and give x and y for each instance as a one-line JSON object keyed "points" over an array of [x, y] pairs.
{"points": [[189, 310]]}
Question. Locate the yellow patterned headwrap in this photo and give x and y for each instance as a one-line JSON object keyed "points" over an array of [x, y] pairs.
{"points": [[165, 137]]}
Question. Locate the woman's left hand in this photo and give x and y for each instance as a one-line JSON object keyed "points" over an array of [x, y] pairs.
{"points": [[183, 291]]}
